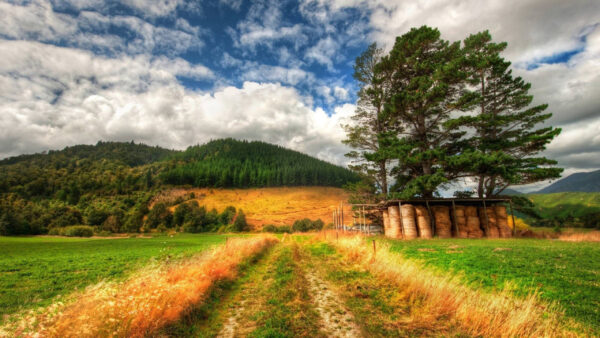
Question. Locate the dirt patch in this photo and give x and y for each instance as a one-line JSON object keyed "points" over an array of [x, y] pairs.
{"points": [[336, 320], [501, 249], [427, 250]]}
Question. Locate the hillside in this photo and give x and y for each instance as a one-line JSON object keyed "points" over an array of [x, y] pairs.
{"points": [[278, 206], [566, 204], [110, 184], [578, 182], [229, 163]]}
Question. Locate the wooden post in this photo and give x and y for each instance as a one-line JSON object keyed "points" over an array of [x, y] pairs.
{"points": [[431, 219], [487, 221], [374, 249], [226, 240], [454, 217], [335, 222], [342, 214], [400, 214], [512, 214], [365, 220]]}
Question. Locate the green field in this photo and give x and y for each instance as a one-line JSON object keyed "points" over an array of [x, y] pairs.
{"points": [[565, 204], [34, 270], [563, 272]]}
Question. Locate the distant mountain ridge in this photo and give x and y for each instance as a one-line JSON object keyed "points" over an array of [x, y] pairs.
{"points": [[578, 182]]}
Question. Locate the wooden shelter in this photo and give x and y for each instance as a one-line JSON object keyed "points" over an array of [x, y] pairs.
{"points": [[439, 217]]}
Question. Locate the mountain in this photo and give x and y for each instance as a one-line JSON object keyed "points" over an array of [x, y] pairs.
{"points": [[578, 182]]}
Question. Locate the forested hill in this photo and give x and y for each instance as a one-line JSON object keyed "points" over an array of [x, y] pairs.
{"points": [[231, 163], [128, 153], [110, 184]]}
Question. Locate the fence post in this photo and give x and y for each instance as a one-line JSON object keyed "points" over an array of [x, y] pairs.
{"points": [[374, 249]]}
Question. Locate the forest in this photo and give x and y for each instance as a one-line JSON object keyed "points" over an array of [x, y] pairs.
{"points": [[110, 185]]}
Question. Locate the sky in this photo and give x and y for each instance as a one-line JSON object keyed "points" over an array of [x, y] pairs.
{"points": [[178, 73]]}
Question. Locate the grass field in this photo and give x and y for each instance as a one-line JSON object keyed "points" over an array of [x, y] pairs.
{"points": [[279, 206], [565, 204], [564, 272], [313, 285], [34, 270]]}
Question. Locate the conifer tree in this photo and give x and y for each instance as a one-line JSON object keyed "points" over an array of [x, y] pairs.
{"points": [[368, 122], [506, 136], [427, 84]]}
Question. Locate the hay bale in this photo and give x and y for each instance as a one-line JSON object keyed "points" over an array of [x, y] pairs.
{"points": [[461, 221], [502, 221], [492, 228], [394, 229], [423, 222], [443, 225], [474, 227], [386, 222], [408, 221]]}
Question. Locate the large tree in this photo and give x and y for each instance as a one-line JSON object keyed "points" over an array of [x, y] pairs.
{"points": [[427, 85], [506, 136], [367, 122]]}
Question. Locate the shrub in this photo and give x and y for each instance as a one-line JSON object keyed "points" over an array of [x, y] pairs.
{"points": [[78, 231], [240, 223]]}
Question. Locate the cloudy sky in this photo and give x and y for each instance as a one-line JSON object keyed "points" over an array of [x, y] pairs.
{"points": [[177, 73]]}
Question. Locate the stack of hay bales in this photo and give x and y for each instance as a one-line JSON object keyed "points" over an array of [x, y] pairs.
{"points": [[408, 221], [394, 228], [461, 221], [386, 222], [423, 222], [492, 228], [502, 221], [473, 225], [443, 225]]}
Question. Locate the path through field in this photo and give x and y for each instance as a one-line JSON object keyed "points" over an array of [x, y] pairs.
{"points": [[285, 296]]}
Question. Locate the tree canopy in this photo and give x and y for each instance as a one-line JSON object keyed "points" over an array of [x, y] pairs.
{"points": [[446, 110]]}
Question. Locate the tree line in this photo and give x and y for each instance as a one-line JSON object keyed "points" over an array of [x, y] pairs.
{"points": [[432, 112], [230, 163]]}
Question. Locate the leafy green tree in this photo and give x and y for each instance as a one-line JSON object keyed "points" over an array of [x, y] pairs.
{"points": [[362, 134], [507, 135], [240, 223], [427, 84]]}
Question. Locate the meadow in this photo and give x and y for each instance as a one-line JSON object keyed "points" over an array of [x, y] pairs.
{"points": [[35, 270], [278, 206], [562, 272]]}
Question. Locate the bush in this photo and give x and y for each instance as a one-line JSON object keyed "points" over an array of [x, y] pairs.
{"points": [[240, 223], [73, 231], [304, 225]]}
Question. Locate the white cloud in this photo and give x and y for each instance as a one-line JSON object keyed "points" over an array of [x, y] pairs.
{"points": [[54, 97], [323, 52]]}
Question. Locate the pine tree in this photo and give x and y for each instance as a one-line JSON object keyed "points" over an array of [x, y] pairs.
{"points": [[506, 139], [426, 84], [362, 133]]}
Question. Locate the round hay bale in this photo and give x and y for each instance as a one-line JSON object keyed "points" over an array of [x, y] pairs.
{"points": [[492, 228], [459, 211], [502, 221], [474, 227], [471, 211], [423, 222], [386, 221], [461, 223], [443, 225], [394, 229], [408, 221]]}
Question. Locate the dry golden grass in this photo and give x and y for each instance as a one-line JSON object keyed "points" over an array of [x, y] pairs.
{"points": [[443, 297], [592, 236], [149, 300], [279, 206]]}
